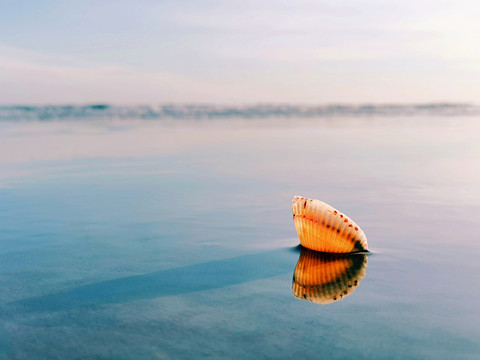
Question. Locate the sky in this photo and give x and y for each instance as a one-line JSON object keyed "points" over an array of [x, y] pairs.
{"points": [[237, 52]]}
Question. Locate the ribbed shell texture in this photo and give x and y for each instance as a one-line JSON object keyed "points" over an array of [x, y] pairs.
{"points": [[321, 227]]}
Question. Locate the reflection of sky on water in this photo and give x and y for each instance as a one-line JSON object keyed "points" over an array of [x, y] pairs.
{"points": [[170, 282], [160, 240]]}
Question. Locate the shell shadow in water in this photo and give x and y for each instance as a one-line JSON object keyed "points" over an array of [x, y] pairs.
{"points": [[325, 278]]}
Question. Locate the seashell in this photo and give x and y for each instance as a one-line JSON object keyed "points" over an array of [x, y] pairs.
{"points": [[325, 278], [321, 227]]}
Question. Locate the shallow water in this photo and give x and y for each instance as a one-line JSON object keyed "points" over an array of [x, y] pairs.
{"points": [[174, 240]]}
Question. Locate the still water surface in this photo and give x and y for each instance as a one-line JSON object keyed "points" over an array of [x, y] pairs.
{"points": [[174, 239]]}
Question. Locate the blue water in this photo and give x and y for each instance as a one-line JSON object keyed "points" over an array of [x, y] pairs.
{"points": [[162, 240]]}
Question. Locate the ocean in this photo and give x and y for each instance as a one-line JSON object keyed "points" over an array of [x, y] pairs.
{"points": [[166, 232]]}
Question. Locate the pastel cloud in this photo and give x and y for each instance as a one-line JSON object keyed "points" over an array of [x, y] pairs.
{"points": [[238, 52]]}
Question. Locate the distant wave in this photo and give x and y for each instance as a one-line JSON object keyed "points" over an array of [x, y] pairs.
{"points": [[104, 111]]}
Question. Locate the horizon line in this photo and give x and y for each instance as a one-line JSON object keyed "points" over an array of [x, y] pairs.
{"points": [[105, 105]]}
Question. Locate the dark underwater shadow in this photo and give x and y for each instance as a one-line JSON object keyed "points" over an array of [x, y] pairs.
{"points": [[177, 281]]}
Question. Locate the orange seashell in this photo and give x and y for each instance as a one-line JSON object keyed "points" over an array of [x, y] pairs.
{"points": [[326, 278], [321, 227]]}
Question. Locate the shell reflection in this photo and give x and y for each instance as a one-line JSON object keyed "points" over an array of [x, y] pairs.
{"points": [[326, 278]]}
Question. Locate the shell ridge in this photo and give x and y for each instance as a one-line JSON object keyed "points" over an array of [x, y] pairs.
{"points": [[321, 227]]}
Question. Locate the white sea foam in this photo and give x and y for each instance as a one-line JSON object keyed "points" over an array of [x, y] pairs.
{"points": [[258, 111]]}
